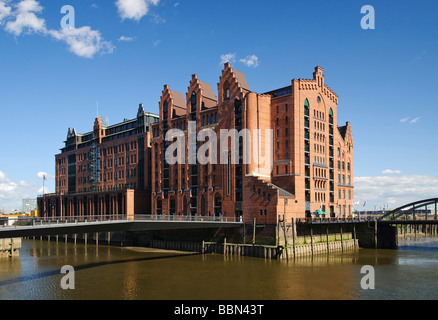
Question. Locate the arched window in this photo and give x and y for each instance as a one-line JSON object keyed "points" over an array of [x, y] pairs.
{"points": [[226, 91], [306, 107], [193, 102], [165, 110]]}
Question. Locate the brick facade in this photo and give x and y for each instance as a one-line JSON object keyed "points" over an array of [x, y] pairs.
{"points": [[311, 157], [301, 161], [103, 172]]}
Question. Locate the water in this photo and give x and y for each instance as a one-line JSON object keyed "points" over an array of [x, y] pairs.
{"points": [[110, 273]]}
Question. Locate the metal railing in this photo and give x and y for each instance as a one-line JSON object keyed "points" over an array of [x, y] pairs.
{"points": [[48, 221], [336, 220]]}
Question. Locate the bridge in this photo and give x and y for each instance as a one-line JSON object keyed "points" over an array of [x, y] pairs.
{"points": [[36, 227], [412, 214]]}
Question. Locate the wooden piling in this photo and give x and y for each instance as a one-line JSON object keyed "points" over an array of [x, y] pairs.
{"points": [[293, 235]]}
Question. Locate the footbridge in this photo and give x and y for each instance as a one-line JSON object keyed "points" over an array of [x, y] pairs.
{"points": [[36, 227]]}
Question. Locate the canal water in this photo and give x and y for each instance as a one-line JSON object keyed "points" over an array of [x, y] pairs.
{"points": [[111, 273]]}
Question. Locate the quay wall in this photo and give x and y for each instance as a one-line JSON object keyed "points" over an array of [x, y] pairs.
{"points": [[10, 247], [260, 251]]}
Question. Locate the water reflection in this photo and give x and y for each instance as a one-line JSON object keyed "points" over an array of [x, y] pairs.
{"points": [[123, 274]]}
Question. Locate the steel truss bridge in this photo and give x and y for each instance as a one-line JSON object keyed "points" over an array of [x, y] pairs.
{"points": [[413, 213]]}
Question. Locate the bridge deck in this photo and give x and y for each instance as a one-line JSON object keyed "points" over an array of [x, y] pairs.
{"points": [[62, 226]]}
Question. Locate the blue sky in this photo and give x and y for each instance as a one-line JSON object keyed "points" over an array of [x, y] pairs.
{"points": [[123, 52]]}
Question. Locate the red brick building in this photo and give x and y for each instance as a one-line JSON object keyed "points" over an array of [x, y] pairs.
{"points": [[311, 157], [300, 160], [103, 172]]}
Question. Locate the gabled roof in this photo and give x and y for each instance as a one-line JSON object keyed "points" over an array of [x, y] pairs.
{"points": [[282, 192], [342, 131], [241, 79], [178, 99], [207, 90]]}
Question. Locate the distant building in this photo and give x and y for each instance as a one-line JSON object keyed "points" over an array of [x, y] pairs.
{"points": [[29, 205], [103, 172]]}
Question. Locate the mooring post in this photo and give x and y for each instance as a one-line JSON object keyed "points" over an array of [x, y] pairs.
{"points": [[254, 231], [286, 247], [311, 240], [342, 241], [328, 245], [293, 235]]}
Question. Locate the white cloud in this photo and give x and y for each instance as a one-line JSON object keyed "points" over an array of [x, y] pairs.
{"points": [[5, 10], [42, 174], [125, 38], [43, 190], [26, 19], [404, 120], [134, 9], [228, 57], [251, 61], [394, 190], [12, 193], [415, 120], [156, 43], [389, 171], [84, 42]]}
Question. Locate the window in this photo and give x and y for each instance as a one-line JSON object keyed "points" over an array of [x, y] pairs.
{"points": [[193, 102], [165, 110], [226, 91]]}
